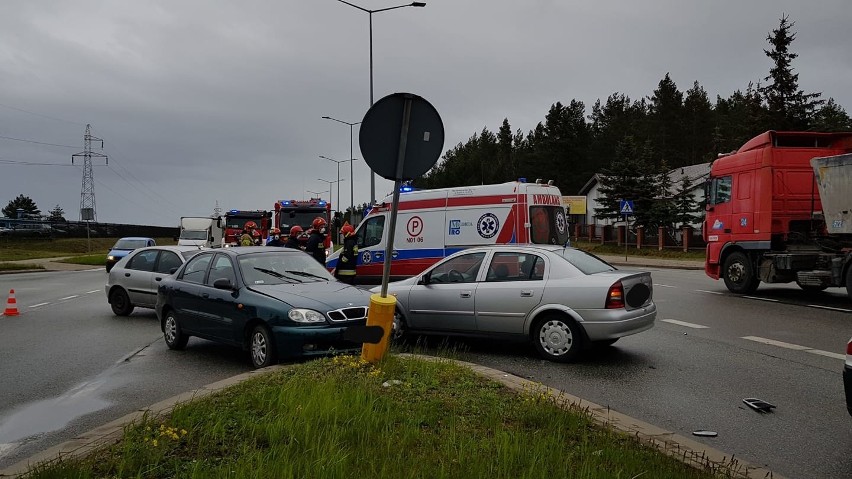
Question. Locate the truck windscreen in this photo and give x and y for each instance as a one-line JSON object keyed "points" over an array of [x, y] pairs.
{"points": [[302, 218]]}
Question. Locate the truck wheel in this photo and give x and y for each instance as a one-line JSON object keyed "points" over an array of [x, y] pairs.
{"points": [[739, 274]]}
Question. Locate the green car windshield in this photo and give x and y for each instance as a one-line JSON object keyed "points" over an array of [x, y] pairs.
{"points": [[283, 267]]}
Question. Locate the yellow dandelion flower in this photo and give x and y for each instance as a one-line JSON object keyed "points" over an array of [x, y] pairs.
{"points": [[183, 432], [154, 443]]}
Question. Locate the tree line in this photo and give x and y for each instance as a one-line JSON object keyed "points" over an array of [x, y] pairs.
{"points": [[632, 142]]}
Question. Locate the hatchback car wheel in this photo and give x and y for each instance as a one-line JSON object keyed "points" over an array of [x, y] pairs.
{"points": [[175, 339], [120, 302], [557, 338], [262, 350]]}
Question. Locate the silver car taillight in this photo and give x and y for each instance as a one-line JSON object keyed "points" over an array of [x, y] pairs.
{"points": [[615, 296]]}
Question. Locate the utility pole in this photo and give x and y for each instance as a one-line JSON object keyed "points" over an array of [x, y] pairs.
{"points": [[87, 192], [217, 211]]}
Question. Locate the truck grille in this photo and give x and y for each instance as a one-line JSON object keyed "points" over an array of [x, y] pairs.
{"points": [[348, 314]]}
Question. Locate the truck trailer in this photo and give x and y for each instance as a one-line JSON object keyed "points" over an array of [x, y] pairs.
{"points": [[778, 212]]}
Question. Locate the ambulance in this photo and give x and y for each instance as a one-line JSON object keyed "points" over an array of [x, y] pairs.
{"points": [[432, 224]]}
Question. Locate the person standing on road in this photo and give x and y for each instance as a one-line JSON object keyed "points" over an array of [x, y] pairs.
{"points": [[293, 239], [345, 270], [316, 242]]}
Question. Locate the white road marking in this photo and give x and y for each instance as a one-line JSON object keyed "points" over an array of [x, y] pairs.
{"points": [[664, 285], [795, 347], [705, 291], [761, 299], [772, 342], [841, 357], [91, 292], [684, 323], [69, 297], [830, 308], [37, 305]]}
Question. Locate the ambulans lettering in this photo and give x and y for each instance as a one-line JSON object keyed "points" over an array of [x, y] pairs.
{"points": [[488, 225], [552, 200]]}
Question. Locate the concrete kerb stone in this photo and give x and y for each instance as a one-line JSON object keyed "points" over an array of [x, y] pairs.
{"points": [[687, 450]]}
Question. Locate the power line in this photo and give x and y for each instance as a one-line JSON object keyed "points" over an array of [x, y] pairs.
{"points": [[38, 142], [31, 163], [39, 114]]}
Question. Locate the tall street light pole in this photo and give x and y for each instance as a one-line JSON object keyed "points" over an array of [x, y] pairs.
{"points": [[371, 12], [351, 206], [330, 182], [351, 159]]}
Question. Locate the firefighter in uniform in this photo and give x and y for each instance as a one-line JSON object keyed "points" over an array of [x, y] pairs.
{"points": [[275, 238], [316, 242], [293, 239], [345, 270]]}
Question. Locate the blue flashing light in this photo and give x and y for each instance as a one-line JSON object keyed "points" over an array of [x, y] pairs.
{"points": [[406, 188], [321, 203], [285, 202], [235, 211], [522, 180]]}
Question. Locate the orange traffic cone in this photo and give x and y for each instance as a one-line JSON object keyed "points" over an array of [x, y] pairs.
{"points": [[11, 305]]}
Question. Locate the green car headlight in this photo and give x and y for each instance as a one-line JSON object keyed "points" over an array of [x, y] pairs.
{"points": [[306, 316]]}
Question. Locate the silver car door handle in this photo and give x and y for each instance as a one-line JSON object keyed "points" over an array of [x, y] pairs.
{"points": [[465, 294], [527, 293]]}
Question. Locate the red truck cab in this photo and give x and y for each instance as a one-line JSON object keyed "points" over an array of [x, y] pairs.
{"points": [[762, 198]]}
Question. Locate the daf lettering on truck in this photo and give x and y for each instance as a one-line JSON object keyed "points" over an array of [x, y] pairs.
{"points": [[432, 224]]}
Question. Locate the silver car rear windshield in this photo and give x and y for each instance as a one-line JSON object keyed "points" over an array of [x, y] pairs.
{"points": [[585, 262]]}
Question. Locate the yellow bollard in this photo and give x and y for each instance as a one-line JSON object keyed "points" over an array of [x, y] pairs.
{"points": [[380, 314]]}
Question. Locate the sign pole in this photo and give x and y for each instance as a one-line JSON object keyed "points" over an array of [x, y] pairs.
{"points": [[626, 229]]}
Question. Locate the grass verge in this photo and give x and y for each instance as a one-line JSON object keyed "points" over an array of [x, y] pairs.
{"points": [[340, 417], [15, 249], [19, 266], [88, 259]]}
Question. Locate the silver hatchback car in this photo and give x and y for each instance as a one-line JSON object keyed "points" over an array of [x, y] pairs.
{"points": [[561, 299], [133, 281]]}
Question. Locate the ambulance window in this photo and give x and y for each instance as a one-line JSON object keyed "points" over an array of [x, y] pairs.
{"points": [[370, 233], [548, 225]]}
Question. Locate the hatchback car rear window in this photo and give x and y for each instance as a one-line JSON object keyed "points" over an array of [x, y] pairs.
{"points": [[585, 262]]}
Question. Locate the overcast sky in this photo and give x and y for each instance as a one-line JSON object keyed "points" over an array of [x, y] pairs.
{"points": [[206, 101]]}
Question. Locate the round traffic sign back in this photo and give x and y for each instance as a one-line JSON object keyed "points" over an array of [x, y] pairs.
{"points": [[380, 137]]}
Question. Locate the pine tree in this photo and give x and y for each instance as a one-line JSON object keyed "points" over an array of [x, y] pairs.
{"points": [[21, 202], [789, 107], [627, 178], [831, 117], [56, 214], [665, 113], [686, 208]]}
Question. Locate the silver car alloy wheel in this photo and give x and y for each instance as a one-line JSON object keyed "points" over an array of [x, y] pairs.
{"points": [[258, 348], [555, 337], [171, 329]]}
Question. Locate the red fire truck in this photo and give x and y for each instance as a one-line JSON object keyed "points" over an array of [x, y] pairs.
{"points": [[235, 221], [289, 213]]}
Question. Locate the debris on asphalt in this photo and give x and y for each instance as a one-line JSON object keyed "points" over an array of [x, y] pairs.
{"points": [[703, 433], [759, 405]]}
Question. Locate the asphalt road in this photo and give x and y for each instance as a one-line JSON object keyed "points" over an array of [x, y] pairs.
{"points": [[68, 365], [708, 351]]}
